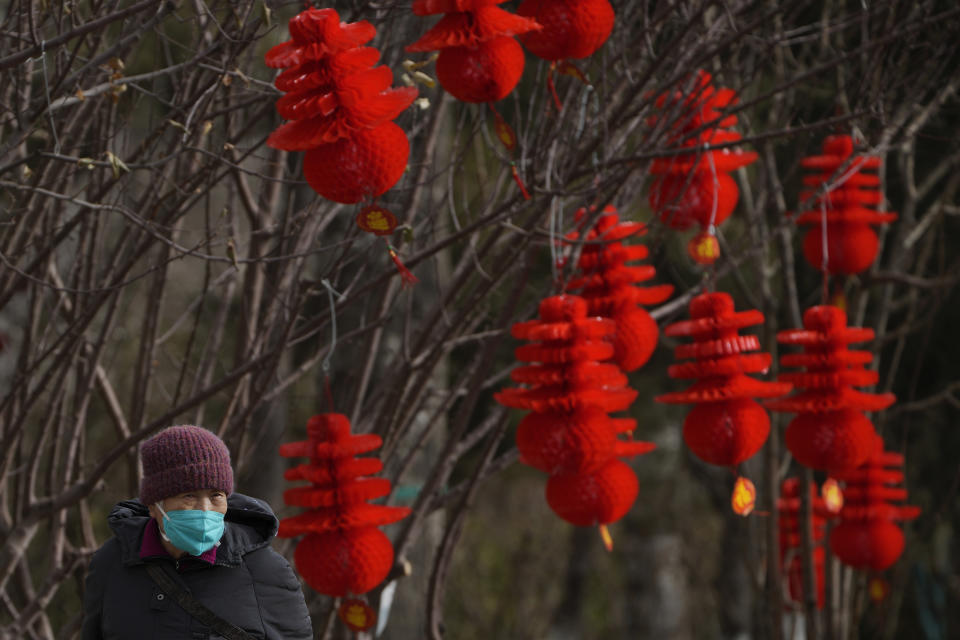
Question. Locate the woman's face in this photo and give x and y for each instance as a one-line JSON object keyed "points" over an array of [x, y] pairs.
{"points": [[201, 500]]}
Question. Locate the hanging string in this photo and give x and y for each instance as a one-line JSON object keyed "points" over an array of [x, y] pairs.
{"points": [[333, 340], [825, 258], [554, 258], [46, 91], [712, 227]]}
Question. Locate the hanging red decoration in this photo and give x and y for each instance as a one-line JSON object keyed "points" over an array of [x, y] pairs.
{"points": [[830, 431], [356, 615], [377, 220], [704, 248], [867, 536], [479, 60], [844, 199], [359, 167], [726, 426], [342, 551], [568, 433], [696, 187], [571, 28], [610, 287], [340, 107], [791, 561], [743, 498]]}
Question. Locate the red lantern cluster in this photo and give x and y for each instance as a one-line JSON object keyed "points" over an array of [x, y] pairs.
{"points": [[867, 536], [340, 107], [791, 562], [726, 426], [342, 551], [571, 28], [696, 187], [609, 287], [830, 431], [479, 60], [568, 433], [844, 199]]}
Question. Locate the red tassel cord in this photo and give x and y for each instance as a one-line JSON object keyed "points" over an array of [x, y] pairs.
{"points": [[516, 178], [406, 276], [726, 426]]}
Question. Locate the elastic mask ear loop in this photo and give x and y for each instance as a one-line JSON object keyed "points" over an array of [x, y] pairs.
{"points": [[164, 514]]}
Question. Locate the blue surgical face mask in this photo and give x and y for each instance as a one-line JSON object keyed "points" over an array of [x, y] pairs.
{"points": [[192, 530]]}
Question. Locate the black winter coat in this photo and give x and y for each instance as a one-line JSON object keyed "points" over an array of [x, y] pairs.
{"points": [[250, 584]]}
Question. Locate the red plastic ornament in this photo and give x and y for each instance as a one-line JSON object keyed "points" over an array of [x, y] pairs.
{"points": [[791, 562], [340, 107], [844, 198], [377, 220], [356, 615], [610, 289], [599, 497], [342, 551], [479, 59], [569, 434], [867, 536], [726, 426], [360, 167], [704, 248], [830, 431], [743, 498], [696, 188], [683, 200], [571, 28], [486, 72]]}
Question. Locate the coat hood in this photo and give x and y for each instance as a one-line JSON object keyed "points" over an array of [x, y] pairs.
{"points": [[250, 525]]}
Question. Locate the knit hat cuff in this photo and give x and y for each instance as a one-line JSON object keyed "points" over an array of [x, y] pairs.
{"points": [[166, 483]]}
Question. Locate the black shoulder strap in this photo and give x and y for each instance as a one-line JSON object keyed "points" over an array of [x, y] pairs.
{"points": [[193, 606]]}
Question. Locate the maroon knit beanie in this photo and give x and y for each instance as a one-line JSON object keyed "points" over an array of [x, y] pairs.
{"points": [[181, 459]]}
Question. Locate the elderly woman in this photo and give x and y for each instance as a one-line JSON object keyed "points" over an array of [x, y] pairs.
{"points": [[191, 559]]}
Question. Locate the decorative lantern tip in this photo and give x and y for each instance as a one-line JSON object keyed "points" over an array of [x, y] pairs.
{"points": [[832, 495], [356, 615], [879, 589], [744, 496], [606, 537]]}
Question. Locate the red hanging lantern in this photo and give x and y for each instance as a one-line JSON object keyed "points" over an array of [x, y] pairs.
{"points": [[593, 498], [726, 426], [867, 536], [359, 167], [569, 434], [682, 200], [479, 59], [791, 562], [340, 107], [571, 28], [830, 431], [844, 198], [696, 187], [342, 551], [610, 289]]}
